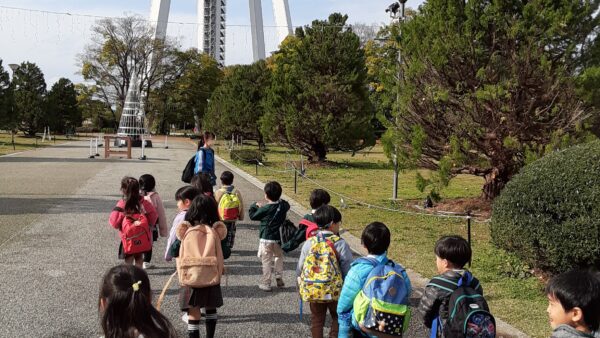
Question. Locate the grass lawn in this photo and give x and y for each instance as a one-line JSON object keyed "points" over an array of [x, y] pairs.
{"points": [[367, 176], [23, 143]]}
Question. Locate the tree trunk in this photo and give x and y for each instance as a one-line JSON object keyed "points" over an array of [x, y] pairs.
{"points": [[494, 183], [261, 142], [318, 153]]}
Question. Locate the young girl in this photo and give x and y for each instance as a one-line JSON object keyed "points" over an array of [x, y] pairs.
{"points": [[125, 306], [147, 190], [184, 197], [202, 182], [202, 212], [131, 203], [205, 157]]}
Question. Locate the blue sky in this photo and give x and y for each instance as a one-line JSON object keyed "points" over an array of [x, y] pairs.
{"points": [[53, 41]]}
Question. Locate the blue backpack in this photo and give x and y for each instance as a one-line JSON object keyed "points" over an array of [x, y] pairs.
{"points": [[382, 305]]}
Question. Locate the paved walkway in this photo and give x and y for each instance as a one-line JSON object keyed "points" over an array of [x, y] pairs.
{"points": [[55, 244]]}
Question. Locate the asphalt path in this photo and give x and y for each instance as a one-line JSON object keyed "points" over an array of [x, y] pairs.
{"points": [[55, 245]]}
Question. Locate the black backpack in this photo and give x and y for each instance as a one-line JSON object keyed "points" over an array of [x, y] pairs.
{"points": [[188, 172], [468, 312]]}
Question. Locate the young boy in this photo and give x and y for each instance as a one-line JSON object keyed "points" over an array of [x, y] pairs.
{"points": [[574, 304], [228, 188], [376, 239], [328, 219], [318, 198], [271, 215], [452, 254]]}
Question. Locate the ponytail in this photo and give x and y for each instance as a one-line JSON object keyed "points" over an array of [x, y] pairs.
{"points": [[131, 194]]}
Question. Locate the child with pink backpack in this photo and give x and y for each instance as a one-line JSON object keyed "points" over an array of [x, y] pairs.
{"points": [[147, 189], [132, 216]]}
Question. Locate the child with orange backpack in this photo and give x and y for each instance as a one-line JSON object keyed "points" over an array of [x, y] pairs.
{"points": [[231, 206], [132, 216], [200, 264]]}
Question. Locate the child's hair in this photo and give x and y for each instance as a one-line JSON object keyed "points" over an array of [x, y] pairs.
{"points": [[578, 288], [203, 210], [273, 191], [227, 178], [131, 194], [376, 238], [319, 197], [186, 193], [125, 305], [454, 249], [201, 181], [147, 183], [207, 135], [326, 215]]}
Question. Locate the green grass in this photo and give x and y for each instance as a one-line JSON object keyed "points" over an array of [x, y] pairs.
{"points": [[23, 143], [367, 176]]}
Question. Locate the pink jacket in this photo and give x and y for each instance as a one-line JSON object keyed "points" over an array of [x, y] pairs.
{"points": [[116, 216], [153, 198]]}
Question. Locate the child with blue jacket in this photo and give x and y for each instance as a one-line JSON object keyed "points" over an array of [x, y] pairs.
{"points": [[376, 239]]}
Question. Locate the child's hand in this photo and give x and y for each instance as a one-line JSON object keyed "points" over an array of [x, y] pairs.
{"points": [[259, 204]]}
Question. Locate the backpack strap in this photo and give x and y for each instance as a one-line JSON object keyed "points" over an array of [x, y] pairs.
{"points": [[118, 209], [329, 242], [443, 284]]}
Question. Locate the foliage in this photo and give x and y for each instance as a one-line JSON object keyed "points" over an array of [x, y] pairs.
{"points": [[549, 214], [93, 110], [63, 112], [7, 118], [236, 105], [487, 82], [246, 155], [29, 98]]}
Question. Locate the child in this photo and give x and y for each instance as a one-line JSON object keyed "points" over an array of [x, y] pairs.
{"points": [[271, 215], [228, 188], [205, 157], [131, 203], [307, 228], [452, 254], [574, 304], [147, 189], [202, 183], [376, 239], [328, 219], [184, 197], [201, 215], [125, 306]]}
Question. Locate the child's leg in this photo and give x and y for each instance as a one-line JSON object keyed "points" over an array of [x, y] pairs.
{"points": [[148, 256], [266, 256], [129, 259], [333, 332], [139, 260], [194, 322], [211, 322], [318, 311], [278, 256]]}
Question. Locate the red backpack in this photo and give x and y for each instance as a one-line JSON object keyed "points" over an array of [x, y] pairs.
{"points": [[311, 228], [135, 234]]}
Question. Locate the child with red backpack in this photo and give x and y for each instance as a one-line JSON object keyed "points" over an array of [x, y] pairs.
{"points": [[307, 227], [200, 264], [231, 206], [132, 216], [147, 189], [324, 262]]}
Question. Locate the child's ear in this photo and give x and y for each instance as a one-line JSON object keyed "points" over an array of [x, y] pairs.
{"points": [[577, 315]]}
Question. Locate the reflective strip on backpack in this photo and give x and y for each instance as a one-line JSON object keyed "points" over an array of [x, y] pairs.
{"points": [[459, 299]]}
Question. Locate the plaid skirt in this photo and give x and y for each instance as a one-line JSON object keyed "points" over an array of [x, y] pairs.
{"points": [[208, 297]]}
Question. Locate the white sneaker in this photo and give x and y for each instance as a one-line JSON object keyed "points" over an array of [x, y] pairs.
{"points": [[148, 265], [264, 287], [185, 317]]}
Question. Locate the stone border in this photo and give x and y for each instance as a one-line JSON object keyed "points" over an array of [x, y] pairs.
{"points": [[507, 331]]}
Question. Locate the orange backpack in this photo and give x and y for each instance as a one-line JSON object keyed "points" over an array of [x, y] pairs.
{"points": [[200, 262]]}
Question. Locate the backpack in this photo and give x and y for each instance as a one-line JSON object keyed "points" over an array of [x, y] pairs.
{"points": [[287, 231], [135, 234], [468, 312], [229, 205], [321, 277], [311, 228], [188, 171], [382, 306], [200, 266]]}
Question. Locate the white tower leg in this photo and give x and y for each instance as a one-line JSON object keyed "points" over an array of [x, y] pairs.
{"points": [[258, 35], [201, 26], [283, 20], [159, 16]]}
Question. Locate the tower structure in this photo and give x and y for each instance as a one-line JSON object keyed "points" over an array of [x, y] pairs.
{"points": [[211, 28]]}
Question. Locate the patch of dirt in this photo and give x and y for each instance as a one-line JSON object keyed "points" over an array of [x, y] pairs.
{"points": [[482, 209]]}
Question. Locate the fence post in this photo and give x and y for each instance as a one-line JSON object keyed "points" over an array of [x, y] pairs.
{"points": [[295, 181], [469, 233], [256, 163]]}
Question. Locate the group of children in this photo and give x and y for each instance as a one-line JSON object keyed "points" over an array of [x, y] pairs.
{"points": [[365, 297]]}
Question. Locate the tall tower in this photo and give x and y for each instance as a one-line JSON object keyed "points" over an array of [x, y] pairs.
{"points": [[283, 20], [211, 28]]}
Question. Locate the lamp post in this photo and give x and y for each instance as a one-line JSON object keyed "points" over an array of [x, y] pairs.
{"points": [[13, 67], [396, 11]]}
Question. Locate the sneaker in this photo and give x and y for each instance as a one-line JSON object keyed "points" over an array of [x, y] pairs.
{"points": [[280, 282], [185, 317], [147, 265], [264, 287]]}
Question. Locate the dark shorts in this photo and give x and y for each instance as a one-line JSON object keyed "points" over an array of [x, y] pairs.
{"points": [[208, 297], [122, 254]]}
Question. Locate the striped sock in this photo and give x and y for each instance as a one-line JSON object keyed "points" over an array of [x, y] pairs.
{"points": [[211, 323], [193, 328]]}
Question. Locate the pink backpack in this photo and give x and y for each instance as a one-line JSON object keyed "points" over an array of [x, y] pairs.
{"points": [[135, 234]]}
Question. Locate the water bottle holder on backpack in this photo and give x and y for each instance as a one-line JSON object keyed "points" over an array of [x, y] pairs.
{"points": [[390, 319]]}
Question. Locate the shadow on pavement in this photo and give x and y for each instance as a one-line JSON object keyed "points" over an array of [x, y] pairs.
{"points": [[16, 159], [23, 206]]}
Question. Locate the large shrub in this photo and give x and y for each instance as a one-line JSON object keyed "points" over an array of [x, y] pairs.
{"points": [[549, 214]]}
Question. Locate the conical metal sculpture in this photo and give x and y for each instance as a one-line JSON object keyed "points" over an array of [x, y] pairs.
{"points": [[133, 118]]}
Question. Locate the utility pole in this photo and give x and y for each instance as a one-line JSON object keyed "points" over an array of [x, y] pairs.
{"points": [[396, 11]]}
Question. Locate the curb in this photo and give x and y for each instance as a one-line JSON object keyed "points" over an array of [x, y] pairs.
{"points": [[505, 330]]}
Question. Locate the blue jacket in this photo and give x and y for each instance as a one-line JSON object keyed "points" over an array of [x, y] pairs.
{"points": [[205, 163], [353, 284]]}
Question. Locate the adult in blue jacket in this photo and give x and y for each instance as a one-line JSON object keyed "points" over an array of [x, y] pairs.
{"points": [[205, 157]]}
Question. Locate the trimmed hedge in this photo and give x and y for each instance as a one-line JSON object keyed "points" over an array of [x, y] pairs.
{"points": [[246, 155], [549, 214]]}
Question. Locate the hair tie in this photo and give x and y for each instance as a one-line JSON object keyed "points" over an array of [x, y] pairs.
{"points": [[136, 286]]}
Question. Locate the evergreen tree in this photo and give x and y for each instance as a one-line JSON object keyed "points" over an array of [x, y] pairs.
{"points": [[63, 111], [29, 98]]}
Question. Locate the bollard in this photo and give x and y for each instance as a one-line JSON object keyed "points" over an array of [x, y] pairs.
{"points": [[166, 142], [96, 144], [143, 157], [91, 155]]}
